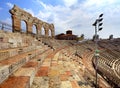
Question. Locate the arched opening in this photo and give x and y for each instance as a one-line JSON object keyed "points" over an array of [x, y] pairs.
{"points": [[23, 26], [49, 32], [34, 29], [42, 31]]}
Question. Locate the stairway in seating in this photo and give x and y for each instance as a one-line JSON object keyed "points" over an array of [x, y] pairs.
{"points": [[18, 65]]}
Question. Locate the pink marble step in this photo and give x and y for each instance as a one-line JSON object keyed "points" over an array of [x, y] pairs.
{"points": [[13, 64], [16, 82], [42, 71]]}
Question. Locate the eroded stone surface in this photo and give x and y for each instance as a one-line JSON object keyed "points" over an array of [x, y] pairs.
{"points": [[66, 84], [19, 14], [28, 72], [16, 82], [62, 73], [42, 71], [40, 82], [4, 73]]}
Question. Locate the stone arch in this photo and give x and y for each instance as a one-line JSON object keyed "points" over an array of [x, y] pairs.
{"points": [[19, 15], [49, 33], [34, 29], [23, 26], [42, 31]]}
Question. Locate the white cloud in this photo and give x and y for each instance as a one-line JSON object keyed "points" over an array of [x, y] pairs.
{"points": [[69, 3], [46, 7], [8, 21], [30, 11], [80, 18], [10, 5], [43, 15], [99, 3]]}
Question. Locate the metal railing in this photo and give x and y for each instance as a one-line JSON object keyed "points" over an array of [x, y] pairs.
{"points": [[8, 27], [5, 26]]}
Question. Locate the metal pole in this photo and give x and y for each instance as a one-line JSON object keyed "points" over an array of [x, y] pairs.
{"points": [[97, 25], [96, 73], [96, 53]]}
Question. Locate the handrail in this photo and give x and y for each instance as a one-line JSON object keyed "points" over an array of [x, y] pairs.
{"points": [[8, 27], [5, 26]]}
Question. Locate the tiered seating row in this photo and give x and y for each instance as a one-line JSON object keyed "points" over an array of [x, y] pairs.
{"points": [[24, 75], [105, 66], [117, 67], [14, 62], [109, 73]]}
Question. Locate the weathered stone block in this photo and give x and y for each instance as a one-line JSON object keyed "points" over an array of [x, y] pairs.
{"points": [[16, 82], [53, 73], [4, 45], [74, 84], [13, 52], [63, 77], [13, 67], [4, 73], [40, 82], [29, 72], [31, 64], [4, 55], [43, 71], [66, 84]]}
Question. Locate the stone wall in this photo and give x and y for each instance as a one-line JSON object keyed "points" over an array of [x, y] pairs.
{"points": [[19, 15]]}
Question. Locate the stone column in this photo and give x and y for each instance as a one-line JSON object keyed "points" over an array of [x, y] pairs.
{"points": [[46, 28], [29, 28], [52, 33], [39, 33], [46, 33], [16, 24], [52, 30]]}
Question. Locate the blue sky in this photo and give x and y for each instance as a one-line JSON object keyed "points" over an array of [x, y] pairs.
{"points": [[76, 15]]}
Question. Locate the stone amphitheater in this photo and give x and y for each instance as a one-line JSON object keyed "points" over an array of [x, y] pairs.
{"points": [[36, 61]]}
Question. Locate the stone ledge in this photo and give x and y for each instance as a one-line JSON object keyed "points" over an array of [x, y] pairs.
{"points": [[16, 82], [4, 72], [14, 63], [27, 72]]}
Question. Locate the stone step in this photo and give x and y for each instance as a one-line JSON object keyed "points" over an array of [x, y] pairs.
{"points": [[4, 73], [27, 71], [16, 82], [6, 53], [4, 45], [15, 62]]}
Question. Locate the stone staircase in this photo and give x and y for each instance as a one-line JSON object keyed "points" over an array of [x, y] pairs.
{"points": [[19, 64], [34, 64], [28, 63]]}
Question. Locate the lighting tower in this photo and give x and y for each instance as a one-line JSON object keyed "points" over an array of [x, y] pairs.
{"points": [[98, 23]]}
